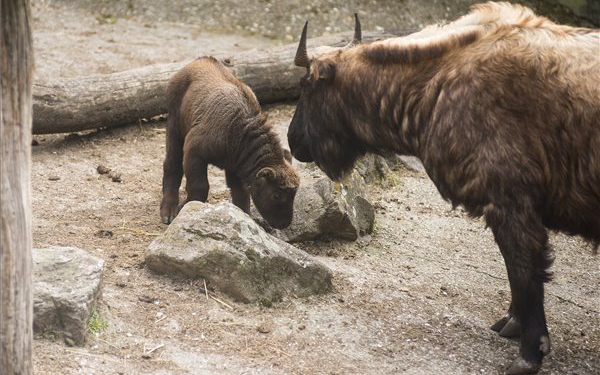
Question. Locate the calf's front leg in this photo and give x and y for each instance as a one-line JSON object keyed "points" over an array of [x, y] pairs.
{"points": [[239, 193]]}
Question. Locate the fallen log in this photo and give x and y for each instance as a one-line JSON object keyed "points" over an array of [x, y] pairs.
{"points": [[107, 100]]}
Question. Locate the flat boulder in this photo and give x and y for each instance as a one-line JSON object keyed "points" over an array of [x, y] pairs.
{"points": [[220, 243], [323, 208], [67, 283]]}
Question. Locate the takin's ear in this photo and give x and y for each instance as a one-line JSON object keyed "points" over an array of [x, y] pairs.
{"points": [[322, 70], [287, 155], [266, 173]]}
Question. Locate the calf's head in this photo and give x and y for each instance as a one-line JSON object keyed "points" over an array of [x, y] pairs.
{"points": [[273, 191], [320, 130]]}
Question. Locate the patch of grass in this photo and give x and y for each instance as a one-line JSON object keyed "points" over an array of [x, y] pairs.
{"points": [[389, 180], [96, 323]]}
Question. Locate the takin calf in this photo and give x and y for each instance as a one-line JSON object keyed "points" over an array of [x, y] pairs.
{"points": [[503, 109], [215, 119]]}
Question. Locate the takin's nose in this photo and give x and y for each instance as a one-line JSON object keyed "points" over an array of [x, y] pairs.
{"points": [[299, 147], [302, 153]]}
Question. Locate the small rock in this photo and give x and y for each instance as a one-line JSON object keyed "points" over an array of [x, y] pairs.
{"points": [[266, 326], [104, 233], [54, 178], [69, 341], [147, 299], [102, 169], [412, 163], [115, 177]]}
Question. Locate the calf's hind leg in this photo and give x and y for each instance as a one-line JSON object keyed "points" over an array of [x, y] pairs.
{"points": [[523, 242], [172, 174], [239, 193]]}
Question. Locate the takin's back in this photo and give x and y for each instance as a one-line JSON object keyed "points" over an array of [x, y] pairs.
{"points": [[514, 107], [535, 88]]}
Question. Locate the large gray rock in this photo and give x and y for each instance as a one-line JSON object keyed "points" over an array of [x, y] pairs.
{"points": [[223, 245], [373, 168], [67, 283], [330, 209]]}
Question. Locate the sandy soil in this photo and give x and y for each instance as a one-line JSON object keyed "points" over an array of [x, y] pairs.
{"points": [[416, 297]]}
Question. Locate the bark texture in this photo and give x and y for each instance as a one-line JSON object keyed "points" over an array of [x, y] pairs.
{"points": [[16, 300]]}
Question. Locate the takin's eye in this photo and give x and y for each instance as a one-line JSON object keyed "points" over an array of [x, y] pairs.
{"points": [[276, 196]]}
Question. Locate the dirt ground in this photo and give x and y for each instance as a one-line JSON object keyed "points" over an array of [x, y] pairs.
{"points": [[416, 297]]}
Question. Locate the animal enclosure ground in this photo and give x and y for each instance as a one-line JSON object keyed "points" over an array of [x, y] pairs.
{"points": [[416, 297]]}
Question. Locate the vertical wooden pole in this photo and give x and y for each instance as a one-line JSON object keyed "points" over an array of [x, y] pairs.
{"points": [[16, 299]]}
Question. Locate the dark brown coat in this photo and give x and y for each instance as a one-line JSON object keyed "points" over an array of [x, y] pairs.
{"points": [[502, 107], [214, 118]]}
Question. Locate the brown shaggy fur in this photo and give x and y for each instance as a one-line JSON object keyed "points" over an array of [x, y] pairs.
{"points": [[215, 119], [502, 107]]}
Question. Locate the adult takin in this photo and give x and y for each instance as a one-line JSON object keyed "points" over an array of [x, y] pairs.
{"points": [[214, 118], [502, 107]]}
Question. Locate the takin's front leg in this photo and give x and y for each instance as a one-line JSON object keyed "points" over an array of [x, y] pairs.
{"points": [[172, 174], [195, 168], [239, 193], [523, 242]]}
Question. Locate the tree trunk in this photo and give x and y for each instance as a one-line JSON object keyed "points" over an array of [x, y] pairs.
{"points": [[69, 105], [16, 299]]}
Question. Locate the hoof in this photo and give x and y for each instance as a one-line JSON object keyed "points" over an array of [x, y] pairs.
{"points": [[521, 366], [508, 326], [168, 212], [500, 323], [511, 329]]}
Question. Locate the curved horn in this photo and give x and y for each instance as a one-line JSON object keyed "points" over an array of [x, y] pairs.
{"points": [[357, 39], [301, 58], [357, 31]]}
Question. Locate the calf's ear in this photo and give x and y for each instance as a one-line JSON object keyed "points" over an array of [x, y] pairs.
{"points": [[287, 155], [266, 173]]}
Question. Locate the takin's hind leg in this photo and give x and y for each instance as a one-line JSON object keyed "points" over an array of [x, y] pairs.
{"points": [[172, 174], [239, 193], [196, 175], [523, 242]]}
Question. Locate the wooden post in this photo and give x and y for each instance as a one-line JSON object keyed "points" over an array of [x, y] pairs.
{"points": [[16, 298]]}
